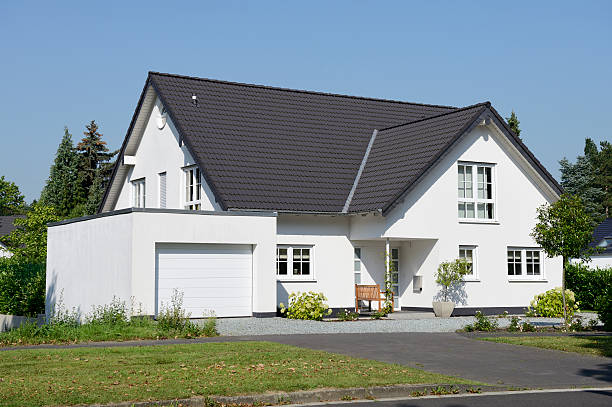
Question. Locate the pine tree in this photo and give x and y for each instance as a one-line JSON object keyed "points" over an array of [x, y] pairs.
{"points": [[513, 122], [94, 197], [579, 179], [62, 188]]}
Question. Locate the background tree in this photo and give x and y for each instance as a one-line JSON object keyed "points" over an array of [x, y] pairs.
{"points": [[564, 229], [513, 122], [94, 162], [29, 240], [12, 202], [62, 190]]}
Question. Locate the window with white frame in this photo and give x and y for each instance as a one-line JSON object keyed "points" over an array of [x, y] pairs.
{"points": [[193, 188], [138, 193], [469, 254], [357, 265], [475, 191], [294, 262], [524, 263]]}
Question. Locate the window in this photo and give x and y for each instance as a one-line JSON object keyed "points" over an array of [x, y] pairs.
{"points": [[479, 205], [293, 262], [357, 265], [162, 189], [469, 254], [525, 263], [193, 188], [138, 193]]}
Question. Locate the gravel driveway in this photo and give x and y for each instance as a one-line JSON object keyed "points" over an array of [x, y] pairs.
{"points": [[283, 326]]}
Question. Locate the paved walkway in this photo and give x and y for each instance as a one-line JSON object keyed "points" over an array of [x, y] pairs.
{"points": [[457, 355]]}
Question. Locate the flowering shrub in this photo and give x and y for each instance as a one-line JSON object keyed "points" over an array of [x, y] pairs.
{"points": [[309, 305], [346, 315], [550, 303]]}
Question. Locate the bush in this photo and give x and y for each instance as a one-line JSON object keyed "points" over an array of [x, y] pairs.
{"points": [[114, 313], [605, 310], [345, 315], [589, 285], [22, 287], [514, 324], [173, 320], [550, 304], [309, 305], [482, 323]]}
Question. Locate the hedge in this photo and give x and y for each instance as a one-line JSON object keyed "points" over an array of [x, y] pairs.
{"points": [[22, 287], [589, 285]]}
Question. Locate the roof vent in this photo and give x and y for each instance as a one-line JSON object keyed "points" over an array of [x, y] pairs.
{"points": [[194, 99]]}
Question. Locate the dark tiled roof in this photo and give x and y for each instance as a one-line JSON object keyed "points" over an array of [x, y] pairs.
{"points": [[401, 154], [7, 224], [603, 230], [278, 149]]}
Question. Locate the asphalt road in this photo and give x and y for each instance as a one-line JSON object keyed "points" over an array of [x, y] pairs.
{"points": [[590, 398]]}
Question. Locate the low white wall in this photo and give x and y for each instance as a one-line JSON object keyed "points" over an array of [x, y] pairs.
{"points": [[8, 322], [90, 261]]}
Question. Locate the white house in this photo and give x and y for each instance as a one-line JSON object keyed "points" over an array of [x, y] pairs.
{"points": [[238, 195]]}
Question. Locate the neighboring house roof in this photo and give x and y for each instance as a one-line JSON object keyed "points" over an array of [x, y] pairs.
{"points": [[7, 224], [289, 150], [602, 236]]}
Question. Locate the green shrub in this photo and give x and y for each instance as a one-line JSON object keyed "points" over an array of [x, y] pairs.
{"points": [[309, 305], [114, 313], [22, 287], [527, 327], [589, 285], [550, 304], [345, 315], [605, 310], [173, 320], [483, 323], [514, 324], [378, 314]]}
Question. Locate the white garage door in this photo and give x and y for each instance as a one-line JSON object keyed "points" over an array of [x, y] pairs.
{"points": [[213, 278]]}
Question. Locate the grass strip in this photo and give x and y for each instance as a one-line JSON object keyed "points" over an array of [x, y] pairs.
{"points": [[102, 375], [587, 344]]}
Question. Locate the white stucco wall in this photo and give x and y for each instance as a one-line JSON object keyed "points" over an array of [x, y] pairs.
{"points": [[428, 219], [601, 261], [159, 152], [91, 261]]}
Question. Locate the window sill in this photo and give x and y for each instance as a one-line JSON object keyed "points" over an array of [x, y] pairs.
{"points": [[527, 280], [296, 280], [471, 280], [476, 221]]}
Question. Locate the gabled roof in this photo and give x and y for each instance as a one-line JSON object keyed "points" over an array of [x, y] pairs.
{"points": [[601, 232], [290, 150], [7, 224]]}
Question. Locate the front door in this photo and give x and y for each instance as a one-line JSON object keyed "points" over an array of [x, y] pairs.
{"points": [[394, 271]]}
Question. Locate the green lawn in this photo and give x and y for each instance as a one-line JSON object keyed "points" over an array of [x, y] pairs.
{"points": [[102, 375], [592, 345]]}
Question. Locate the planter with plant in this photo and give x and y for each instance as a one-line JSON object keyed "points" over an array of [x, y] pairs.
{"points": [[449, 275]]}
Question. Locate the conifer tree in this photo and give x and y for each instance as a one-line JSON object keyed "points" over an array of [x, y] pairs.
{"points": [[62, 188], [513, 122], [12, 201], [93, 154], [578, 179], [94, 197]]}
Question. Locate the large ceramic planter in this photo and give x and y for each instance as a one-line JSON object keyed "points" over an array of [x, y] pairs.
{"points": [[443, 309]]}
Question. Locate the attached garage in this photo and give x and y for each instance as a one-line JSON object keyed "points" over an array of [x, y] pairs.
{"points": [[215, 279]]}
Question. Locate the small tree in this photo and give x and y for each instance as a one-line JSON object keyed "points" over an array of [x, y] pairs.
{"points": [[514, 122], [451, 273], [564, 229], [29, 240], [11, 200]]}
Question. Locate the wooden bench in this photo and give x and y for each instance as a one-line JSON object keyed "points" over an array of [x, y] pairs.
{"points": [[369, 293]]}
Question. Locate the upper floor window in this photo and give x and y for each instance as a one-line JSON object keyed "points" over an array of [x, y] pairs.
{"points": [[475, 191], [138, 193], [193, 188], [294, 262]]}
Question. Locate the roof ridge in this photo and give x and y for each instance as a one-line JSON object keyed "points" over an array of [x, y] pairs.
{"points": [[311, 92], [487, 104]]}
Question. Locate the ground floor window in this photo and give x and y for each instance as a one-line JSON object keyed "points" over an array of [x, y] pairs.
{"points": [[357, 265], [469, 254], [294, 262], [524, 263]]}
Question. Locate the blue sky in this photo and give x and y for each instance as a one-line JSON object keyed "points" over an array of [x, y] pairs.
{"points": [[69, 63]]}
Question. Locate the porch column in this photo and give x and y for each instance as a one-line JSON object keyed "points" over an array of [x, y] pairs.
{"points": [[387, 260]]}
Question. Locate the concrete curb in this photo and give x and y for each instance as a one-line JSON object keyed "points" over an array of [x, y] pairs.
{"points": [[314, 396]]}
